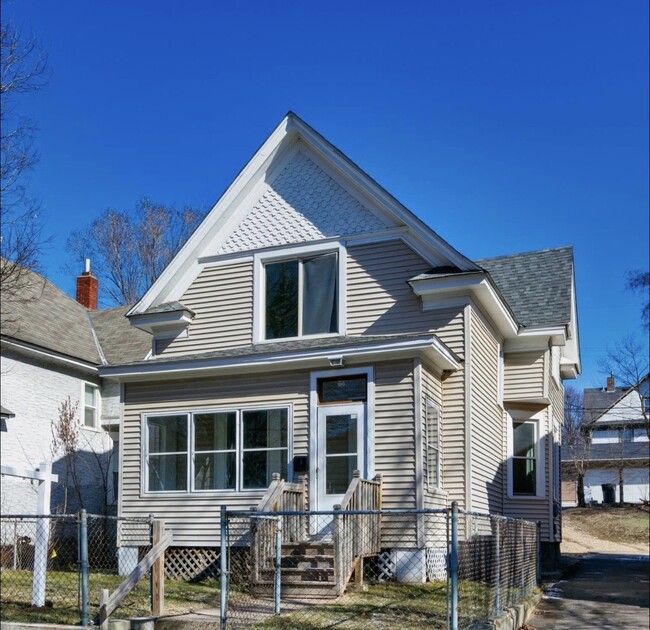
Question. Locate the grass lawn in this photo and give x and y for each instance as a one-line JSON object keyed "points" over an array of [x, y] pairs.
{"points": [[618, 524], [62, 598]]}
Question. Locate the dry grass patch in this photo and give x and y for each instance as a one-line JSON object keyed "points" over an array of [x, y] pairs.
{"points": [[616, 524]]}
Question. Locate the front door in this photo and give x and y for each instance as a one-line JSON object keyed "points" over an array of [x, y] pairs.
{"points": [[340, 450]]}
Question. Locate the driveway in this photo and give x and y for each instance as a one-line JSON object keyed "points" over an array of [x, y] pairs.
{"points": [[603, 591]]}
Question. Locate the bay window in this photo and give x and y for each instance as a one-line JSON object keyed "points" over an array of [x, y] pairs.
{"points": [[232, 449]]}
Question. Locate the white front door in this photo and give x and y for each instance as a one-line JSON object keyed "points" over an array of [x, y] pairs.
{"points": [[340, 450]]}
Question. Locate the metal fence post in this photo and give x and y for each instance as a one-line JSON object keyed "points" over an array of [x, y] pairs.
{"points": [[83, 565], [277, 586], [539, 551], [453, 565], [151, 573], [223, 563], [497, 560]]}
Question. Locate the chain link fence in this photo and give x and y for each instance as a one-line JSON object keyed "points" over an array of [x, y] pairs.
{"points": [[53, 567], [402, 569]]}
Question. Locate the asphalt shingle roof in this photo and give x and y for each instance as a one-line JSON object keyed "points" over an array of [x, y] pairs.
{"points": [[613, 452], [120, 341], [536, 285], [596, 401], [256, 349], [44, 316]]}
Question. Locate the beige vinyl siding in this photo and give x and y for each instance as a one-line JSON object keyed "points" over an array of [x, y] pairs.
{"points": [[395, 446], [379, 299], [524, 376], [486, 419], [222, 298], [194, 518]]}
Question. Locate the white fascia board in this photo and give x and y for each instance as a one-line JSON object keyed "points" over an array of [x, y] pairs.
{"points": [[181, 265], [51, 355], [433, 290], [382, 197], [431, 347]]}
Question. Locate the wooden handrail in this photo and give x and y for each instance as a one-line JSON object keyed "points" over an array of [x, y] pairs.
{"points": [[108, 604]]}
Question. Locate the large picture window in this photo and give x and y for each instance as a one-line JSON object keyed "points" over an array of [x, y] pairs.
{"points": [[233, 449], [301, 296]]}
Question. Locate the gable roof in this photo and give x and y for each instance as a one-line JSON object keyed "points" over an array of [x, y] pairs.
{"points": [[45, 317], [218, 225], [536, 285], [597, 400]]}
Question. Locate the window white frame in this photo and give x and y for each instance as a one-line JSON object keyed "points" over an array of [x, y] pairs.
{"points": [[238, 410], [96, 408], [540, 446], [295, 253], [431, 444]]}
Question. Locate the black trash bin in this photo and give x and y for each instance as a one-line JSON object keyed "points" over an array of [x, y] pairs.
{"points": [[609, 493]]}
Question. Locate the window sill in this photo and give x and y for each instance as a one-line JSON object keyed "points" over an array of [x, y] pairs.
{"points": [[525, 497], [301, 338]]}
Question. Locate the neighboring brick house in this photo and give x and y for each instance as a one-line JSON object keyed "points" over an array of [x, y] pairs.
{"points": [[617, 454], [52, 348]]}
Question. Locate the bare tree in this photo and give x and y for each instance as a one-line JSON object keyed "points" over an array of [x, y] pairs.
{"points": [[640, 281], [23, 70], [627, 361], [81, 454], [129, 249], [575, 438]]}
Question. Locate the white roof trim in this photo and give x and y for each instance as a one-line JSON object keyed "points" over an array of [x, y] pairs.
{"points": [[431, 347], [184, 267], [51, 355]]}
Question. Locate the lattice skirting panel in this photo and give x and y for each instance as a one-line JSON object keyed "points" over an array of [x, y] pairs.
{"points": [[191, 563], [436, 563]]}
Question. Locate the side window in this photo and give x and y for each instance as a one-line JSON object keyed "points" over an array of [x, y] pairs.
{"points": [[431, 447], [91, 405], [524, 458]]}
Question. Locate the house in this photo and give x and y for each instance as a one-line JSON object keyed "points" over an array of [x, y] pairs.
{"points": [[51, 349], [312, 325], [616, 451]]}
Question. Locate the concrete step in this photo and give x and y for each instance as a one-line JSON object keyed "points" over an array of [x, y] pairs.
{"points": [[304, 590], [307, 562], [300, 575]]}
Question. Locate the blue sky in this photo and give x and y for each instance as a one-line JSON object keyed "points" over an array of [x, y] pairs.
{"points": [[506, 126]]}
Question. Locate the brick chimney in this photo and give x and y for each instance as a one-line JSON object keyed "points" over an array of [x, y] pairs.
{"points": [[87, 286], [611, 384]]}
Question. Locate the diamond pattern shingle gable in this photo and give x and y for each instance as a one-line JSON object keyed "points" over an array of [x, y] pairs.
{"points": [[536, 285], [303, 204]]}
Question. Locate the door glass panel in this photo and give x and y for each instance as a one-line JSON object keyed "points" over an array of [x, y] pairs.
{"points": [[339, 471], [341, 434]]}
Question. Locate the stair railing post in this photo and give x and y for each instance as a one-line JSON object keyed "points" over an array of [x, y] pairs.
{"points": [[453, 565], [497, 562], [223, 562], [83, 565], [277, 586]]}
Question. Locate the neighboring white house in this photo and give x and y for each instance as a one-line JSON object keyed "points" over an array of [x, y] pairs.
{"points": [[618, 452], [310, 304], [51, 350]]}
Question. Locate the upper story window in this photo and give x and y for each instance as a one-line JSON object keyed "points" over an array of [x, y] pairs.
{"points": [[91, 405], [301, 296]]}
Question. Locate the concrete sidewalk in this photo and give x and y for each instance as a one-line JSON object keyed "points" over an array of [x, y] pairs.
{"points": [[603, 591]]}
